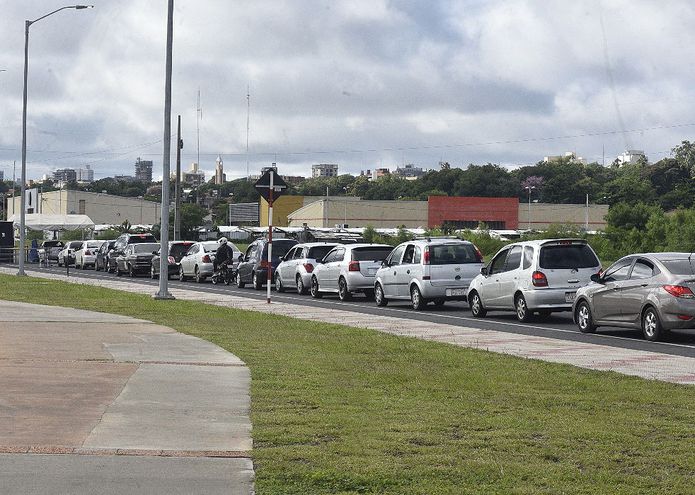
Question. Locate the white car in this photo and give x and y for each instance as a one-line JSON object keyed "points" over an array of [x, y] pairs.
{"points": [[87, 254], [425, 270], [533, 276], [348, 269], [298, 264], [198, 261], [67, 255]]}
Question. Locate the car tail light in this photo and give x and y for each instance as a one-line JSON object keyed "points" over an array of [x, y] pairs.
{"points": [[171, 260], [679, 291], [478, 255], [265, 264], [308, 267], [539, 279], [685, 317], [206, 259], [354, 266], [426, 257], [87, 253]]}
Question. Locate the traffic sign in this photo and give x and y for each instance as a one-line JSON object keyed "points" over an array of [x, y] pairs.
{"points": [[262, 185]]}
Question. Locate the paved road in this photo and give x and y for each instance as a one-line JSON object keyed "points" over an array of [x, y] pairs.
{"points": [[558, 325]]}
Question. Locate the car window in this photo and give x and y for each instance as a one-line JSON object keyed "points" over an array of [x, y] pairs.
{"points": [[497, 264], [395, 257], [339, 254], [568, 256], [329, 257], [642, 269], [528, 257], [318, 252], [144, 248], [618, 271], [193, 249], [680, 267], [453, 254], [408, 255], [373, 253], [417, 255], [513, 259], [178, 250], [280, 248]]}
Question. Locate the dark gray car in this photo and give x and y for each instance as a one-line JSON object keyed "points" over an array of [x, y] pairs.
{"points": [[651, 291]]}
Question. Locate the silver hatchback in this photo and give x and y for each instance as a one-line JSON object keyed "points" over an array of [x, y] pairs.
{"points": [[534, 277], [428, 270], [653, 292]]}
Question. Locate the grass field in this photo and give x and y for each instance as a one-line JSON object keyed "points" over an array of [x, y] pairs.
{"points": [[338, 410]]}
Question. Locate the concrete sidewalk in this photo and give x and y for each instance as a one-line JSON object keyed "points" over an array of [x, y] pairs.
{"points": [[98, 403], [644, 364]]}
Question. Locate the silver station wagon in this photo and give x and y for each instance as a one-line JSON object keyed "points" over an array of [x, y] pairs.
{"points": [[652, 292], [428, 270]]}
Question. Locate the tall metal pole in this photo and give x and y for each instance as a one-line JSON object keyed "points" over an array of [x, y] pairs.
{"points": [[248, 113], [22, 187], [270, 235], [166, 158], [177, 184]]}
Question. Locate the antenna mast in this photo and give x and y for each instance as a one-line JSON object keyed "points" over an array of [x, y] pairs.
{"points": [[248, 113], [199, 114]]}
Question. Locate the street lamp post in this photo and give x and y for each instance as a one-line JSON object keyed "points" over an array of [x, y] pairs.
{"points": [[529, 189], [22, 209]]}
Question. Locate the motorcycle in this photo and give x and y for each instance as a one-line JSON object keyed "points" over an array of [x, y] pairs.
{"points": [[224, 273]]}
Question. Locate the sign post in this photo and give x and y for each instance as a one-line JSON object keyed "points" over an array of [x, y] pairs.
{"points": [[270, 187]]}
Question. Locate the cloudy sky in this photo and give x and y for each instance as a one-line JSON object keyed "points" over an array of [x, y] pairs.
{"points": [[361, 83]]}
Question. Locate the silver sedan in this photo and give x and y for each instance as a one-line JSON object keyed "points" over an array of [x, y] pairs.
{"points": [[653, 292]]}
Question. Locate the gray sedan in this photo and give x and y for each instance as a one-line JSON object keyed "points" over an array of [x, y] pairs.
{"points": [[652, 292]]}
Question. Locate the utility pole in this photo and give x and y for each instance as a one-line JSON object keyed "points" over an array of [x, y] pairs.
{"points": [[248, 113], [177, 184]]}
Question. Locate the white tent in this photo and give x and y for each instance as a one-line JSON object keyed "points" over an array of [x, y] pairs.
{"points": [[41, 221]]}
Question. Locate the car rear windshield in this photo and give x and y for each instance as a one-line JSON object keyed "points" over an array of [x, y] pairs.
{"points": [[94, 244], [50, 244], [145, 248], [680, 267], [567, 257], [318, 252], [210, 246], [76, 245], [371, 253], [280, 249], [138, 238], [453, 254], [178, 250]]}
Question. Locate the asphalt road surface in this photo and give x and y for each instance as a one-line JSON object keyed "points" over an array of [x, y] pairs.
{"points": [[558, 325]]}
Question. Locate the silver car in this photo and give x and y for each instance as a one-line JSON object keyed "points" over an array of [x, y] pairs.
{"points": [[198, 260], [87, 254], [651, 291], [533, 276], [425, 270], [348, 269], [298, 265]]}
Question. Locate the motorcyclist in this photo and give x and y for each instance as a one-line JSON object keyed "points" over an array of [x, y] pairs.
{"points": [[224, 254]]}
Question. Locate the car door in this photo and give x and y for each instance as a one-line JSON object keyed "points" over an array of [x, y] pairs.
{"points": [[188, 261], [389, 276], [322, 271], [607, 299], [489, 287], [333, 269], [636, 288], [404, 271], [251, 257], [508, 279], [289, 266]]}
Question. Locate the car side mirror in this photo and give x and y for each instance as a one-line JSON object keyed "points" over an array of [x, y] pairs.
{"points": [[241, 258], [385, 264], [484, 270], [595, 277]]}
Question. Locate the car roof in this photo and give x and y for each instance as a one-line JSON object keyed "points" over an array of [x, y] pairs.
{"points": [[314, 244], [664, 256], [439, 241], [363, 244]]}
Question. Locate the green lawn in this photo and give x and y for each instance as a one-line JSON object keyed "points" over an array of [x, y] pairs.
{"points": [[338, 410]]}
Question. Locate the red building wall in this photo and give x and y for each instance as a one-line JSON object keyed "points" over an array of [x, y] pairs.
{"points": [[473, 209]]}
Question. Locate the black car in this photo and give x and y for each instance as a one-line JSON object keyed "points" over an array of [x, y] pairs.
{"points": [[119, 246], [176, 251], [136, 258], [253, 267], [102, 252]]}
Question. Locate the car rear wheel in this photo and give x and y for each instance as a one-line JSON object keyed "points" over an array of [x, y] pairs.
{"points": [[131, 271], [379, 296], [301, 289], [651, 325], [315, 292], [584, 318], [522, 312], [476, 305], [278, 283], [343, 291], [153, 272], [198, 277], [416, 298], [239, 282], [182, 277], [118, 271], [257, 282]]}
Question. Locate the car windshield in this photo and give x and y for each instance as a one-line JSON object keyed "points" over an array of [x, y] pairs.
{"points": [[138, 238], [371, 253], [178, 250], [145, 248], [680, 267], [453, 254], [567, 257], [318, 252]]}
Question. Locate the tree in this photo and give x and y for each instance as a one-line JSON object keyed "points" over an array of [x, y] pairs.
{"points": [[191, 220]]}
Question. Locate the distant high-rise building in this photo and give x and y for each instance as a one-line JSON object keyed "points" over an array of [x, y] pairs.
{"points": [[2, 175], [324, 170], [65, 175], [409, 171], [85, 174], [219, 171], [143, 170], [193, 177], [631, 156]]}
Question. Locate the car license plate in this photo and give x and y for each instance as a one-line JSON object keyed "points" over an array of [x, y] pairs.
{"points": [[456, 292], [569, 296]]}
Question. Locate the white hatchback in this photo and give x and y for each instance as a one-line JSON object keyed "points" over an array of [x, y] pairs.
{"points": [[298, 264], [534, 276]]}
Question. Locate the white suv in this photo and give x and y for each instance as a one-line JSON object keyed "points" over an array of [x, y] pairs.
{"points": [[421, 271], [533, 276]]}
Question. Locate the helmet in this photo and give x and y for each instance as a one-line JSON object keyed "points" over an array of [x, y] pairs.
{"points": [[223, 240]]}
